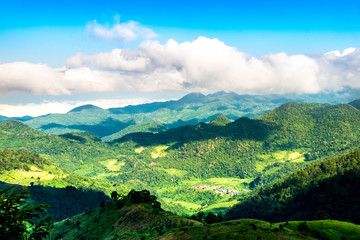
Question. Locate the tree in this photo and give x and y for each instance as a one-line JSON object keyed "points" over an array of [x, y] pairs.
{"points": [[114, 195], [19, 219]]}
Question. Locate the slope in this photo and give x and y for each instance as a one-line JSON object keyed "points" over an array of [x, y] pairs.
{"points": [[49, 184], [203, 166], [125, 219], [326, 189], [76, 152]]}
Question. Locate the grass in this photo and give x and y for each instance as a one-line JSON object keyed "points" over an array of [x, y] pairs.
{"points": [[139, 149], [113, 164], [176, 172], [159, 151], [280, 156], [328, 229]]}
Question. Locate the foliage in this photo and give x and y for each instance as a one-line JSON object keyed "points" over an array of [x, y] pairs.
{"points": [[19, 219], [256, 151], [330, 186]]}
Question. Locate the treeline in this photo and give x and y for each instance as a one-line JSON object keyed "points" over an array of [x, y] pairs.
{"points": [[19, 159], [329, 188]]}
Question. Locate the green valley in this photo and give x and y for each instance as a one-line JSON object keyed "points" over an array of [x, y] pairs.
{"points": [[202, 167]]}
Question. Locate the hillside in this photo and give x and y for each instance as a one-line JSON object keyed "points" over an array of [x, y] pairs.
{"points": [[49, 184], [72, 152], [191, 109], [355, 104], [328, 189], [202, 167], [141, 221]]}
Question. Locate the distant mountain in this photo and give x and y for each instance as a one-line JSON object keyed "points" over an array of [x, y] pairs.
{"points": [[191, 109], [85, 107], [25, 118]]}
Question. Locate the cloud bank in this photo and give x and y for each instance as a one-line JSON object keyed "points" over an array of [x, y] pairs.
{"points": [[205, 65]]}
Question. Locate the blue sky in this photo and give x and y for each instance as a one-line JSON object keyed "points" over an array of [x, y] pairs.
{"points": [[47, 36]]}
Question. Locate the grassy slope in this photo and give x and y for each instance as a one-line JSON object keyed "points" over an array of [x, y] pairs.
{"points": [[49, 184], [130, 222], [140, 221], [23, 167]]}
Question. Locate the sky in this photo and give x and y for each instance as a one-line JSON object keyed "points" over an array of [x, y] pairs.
{"points": [[57, 55]]}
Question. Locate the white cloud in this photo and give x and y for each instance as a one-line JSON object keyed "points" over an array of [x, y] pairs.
{"points": [[123, 32], [205, 65], [33, 78]]}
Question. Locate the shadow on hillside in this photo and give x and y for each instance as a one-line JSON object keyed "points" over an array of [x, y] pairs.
{"points": [[64, 202], [104, 128], [241, 129]]}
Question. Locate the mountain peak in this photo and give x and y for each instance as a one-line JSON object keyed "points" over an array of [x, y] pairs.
{"points": [[11, 124], [220, 121], [192, 97], [85, 107]]}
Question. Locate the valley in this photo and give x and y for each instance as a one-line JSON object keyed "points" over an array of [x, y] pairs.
{"points": [[222, 167]]}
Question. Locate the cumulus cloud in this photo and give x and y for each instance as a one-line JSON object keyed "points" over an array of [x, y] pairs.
{"points": [[123, 32], [33, 78], [205, 65], [210, 65]]}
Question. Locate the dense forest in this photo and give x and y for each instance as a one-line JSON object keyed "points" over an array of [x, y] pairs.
{"points": [[326, 190], [233, 156]]}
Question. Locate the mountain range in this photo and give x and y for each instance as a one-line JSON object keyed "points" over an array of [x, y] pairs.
{"points": [[113, 123], [198, 167]]}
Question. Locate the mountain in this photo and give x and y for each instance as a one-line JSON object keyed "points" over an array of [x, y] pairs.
{"points": [[328, 189], [126, 219], [201, 167], [251, 152], [25, 118], [86, 107], [191, 109], [355, 104]]}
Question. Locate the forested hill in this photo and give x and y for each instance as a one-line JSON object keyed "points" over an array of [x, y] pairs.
{"points": [[49, 184], [137, 217], [233, 156], [319, 127], [72, 152], [329, 189], [191, 109]]}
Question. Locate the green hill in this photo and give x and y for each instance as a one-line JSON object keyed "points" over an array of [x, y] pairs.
{"points": [[326, 189], [49, 184], [203, 166], [127, 220]]}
